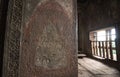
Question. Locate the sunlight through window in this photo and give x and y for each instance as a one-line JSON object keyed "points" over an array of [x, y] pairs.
{"points": [[101, 36], [103, 43]]}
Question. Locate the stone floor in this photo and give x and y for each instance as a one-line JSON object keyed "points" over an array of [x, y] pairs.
{"points": [[91, 68]]}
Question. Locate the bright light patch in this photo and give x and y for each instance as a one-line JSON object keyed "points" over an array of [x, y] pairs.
{"points": [[101, 36]]}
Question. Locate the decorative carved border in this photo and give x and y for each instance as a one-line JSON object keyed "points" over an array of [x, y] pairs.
{"points": [[12, 39]]}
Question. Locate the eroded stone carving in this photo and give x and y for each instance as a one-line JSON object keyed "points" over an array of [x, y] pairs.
{"points": [[50, 52]]}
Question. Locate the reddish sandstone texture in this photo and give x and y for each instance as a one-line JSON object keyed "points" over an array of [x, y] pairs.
{"points": [[49, 43]]}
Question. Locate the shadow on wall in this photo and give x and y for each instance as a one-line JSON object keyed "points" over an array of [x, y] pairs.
{"points": [[3, 17]]}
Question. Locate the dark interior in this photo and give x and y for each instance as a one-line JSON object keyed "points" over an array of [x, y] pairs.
{"points": [[3, 18], [92, 15]]}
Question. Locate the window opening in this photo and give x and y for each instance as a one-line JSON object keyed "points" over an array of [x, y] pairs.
{"points": [[103, 43]]}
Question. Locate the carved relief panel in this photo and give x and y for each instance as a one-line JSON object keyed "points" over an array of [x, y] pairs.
{"points": [[48, 39]]}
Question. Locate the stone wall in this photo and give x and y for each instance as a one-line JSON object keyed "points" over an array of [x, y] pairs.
{"points": [[12, 39], [41, 39], [49, 41]]}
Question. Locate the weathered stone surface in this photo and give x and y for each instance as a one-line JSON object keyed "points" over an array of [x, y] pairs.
{"points": [[50, 50], [31, 5], [49, 40], [12, 39], [43, 43]]}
